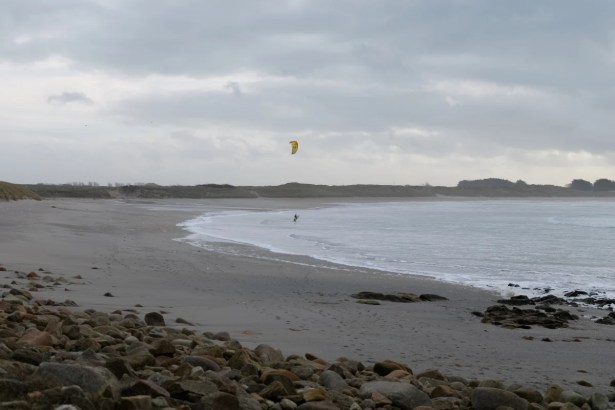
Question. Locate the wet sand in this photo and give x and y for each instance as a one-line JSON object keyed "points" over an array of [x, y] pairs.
{"points": [[299, 306]]}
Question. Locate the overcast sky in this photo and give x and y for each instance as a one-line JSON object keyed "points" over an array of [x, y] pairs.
{"points": [[381, 91]]}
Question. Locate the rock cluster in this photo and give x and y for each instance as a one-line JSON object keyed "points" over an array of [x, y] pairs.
{"points": [[515, 317], [57, 357], [401, 297], [543, 315], [573, 298]]}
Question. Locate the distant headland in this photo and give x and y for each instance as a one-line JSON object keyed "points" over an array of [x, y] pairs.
{"points": [[490, 187]]}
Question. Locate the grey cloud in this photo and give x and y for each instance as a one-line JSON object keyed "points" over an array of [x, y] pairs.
{"points": [[483, 124], [309, 37], [558, 44], [69, 97], [233, 87], [360, 69]]}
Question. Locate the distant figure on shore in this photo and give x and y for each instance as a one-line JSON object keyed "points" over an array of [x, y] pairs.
{"points": [[295, 218]]}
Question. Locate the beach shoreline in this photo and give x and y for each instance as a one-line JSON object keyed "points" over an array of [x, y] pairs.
{"points": [[130, 250]]}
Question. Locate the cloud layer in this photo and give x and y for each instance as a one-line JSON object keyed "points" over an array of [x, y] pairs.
{"points": [[404, 92]]}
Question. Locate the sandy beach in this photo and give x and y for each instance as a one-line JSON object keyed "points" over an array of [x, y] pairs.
{"points": [[129, 249]]}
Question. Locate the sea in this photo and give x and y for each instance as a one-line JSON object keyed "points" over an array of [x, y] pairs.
{"points": [[529, 246]]}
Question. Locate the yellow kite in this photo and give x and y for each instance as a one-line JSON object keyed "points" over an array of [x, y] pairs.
{"points": [[295, 147]]}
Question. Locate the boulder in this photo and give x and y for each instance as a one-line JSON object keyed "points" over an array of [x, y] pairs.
{"points": [[204, 362], [490, 398], [136, 403], [147, 388], [553, 393], [243, 358], [599, 401], [197, 387], [387, 366], [318, 405], [119, 367], [154, 319], [570, 396], [267, 378], [529, 394], [267, 354], [162, 347], [222, 400], [71, 396], [276, 390], [35, 337], [403, 395], [12, 389], [398, 297], [94, 381], [332, 380], [280, 378]]}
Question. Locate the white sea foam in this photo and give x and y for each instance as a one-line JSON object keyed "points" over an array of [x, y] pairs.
{"points": [[562, 245]]}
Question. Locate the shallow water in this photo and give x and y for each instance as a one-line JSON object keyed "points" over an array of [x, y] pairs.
{"points": [[560, 245]]}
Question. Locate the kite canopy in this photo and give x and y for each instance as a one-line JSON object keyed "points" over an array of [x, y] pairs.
{"points": [[295, 147]]}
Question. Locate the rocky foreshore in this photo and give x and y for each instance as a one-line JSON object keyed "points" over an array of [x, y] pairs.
{"points": [[55, 355], [544, 314]]}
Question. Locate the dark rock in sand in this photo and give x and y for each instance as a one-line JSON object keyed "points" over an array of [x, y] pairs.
{"points": [[428, 297], [154, 319], [523, 318], [222, 336], [608, 319], [368, 302], [399, 297], [369, 297], [549, 300], [600, 302], [183, 321], [519, 300], [575, 293]]}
